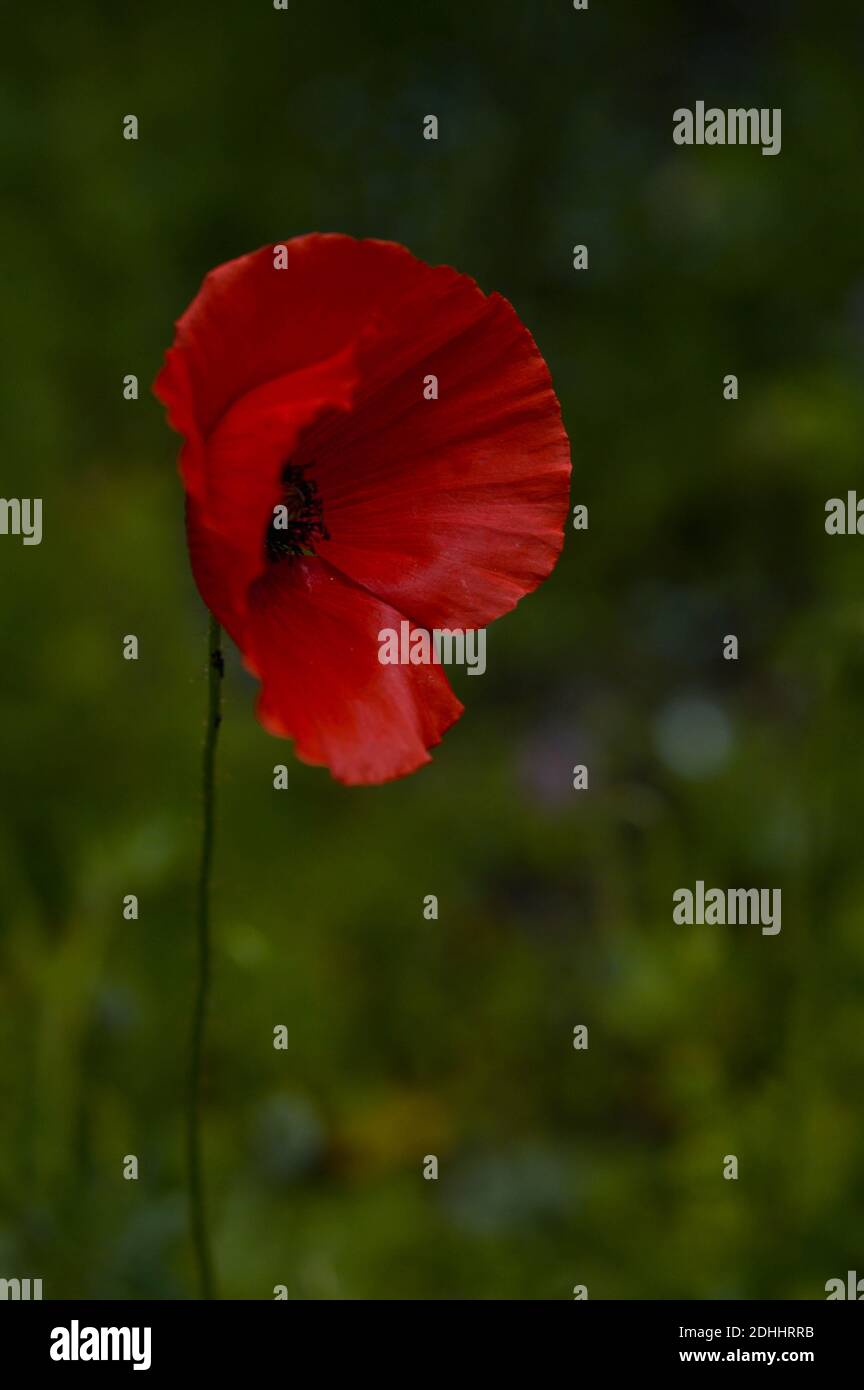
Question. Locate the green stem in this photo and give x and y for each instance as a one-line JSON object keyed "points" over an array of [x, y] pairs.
{"points": [[197, 1204]]}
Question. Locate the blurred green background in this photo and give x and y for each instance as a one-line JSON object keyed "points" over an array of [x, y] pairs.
{"points": [[409, 1037]]}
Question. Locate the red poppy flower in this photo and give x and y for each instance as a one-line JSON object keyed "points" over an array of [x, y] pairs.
{"points": [[305, 388]]}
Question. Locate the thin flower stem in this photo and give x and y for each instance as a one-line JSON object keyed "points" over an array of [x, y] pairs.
{"points": [[197, 1204]]}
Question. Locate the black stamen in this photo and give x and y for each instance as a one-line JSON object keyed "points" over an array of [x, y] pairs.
{"points": [[292, 531]]}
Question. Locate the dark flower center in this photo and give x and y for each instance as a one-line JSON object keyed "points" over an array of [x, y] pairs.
{"points": [[298, 520]]}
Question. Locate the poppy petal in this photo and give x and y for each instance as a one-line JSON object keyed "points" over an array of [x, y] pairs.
{"points": [[251, 445], [253, 321], [218, 568], [314, 638], [449, 509]]}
